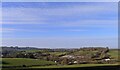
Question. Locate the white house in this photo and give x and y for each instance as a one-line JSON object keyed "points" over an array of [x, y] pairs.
{"points": [[107, 59]]}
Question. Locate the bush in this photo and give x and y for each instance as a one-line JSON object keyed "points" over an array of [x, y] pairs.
{"points": [[24, 66]]}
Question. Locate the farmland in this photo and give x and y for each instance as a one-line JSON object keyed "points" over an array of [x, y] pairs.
{"points": [[114, 54], [71, 67], [25, 61], [57, 59], [32, 63]]}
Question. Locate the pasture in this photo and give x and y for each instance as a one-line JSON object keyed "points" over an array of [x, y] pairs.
{"points": [[37, 64], [25, 61]]}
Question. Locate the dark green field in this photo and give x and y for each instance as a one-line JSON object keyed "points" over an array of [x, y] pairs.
{"points": [[101, 67]]}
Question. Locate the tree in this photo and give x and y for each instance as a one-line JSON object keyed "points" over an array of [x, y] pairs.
{"points": [[30, 55], [106, 50]]}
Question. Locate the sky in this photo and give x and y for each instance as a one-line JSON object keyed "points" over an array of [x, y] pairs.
{"points": [[60, 0], [59, 24]]}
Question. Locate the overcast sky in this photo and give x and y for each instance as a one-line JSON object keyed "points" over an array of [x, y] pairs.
{"points": [[60, 24]]}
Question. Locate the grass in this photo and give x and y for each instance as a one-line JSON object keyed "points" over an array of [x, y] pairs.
{"points": [[57, 53], [32, 51], [25, 61], [84, 52], [41, 64], [74, 66], [114, 54]]}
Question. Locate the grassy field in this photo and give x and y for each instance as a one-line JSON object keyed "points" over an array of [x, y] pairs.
{"points": [[114, 54], [84, 52], [73, 66], [57, 53], [25, 61], [35, 64], [41, 63]]}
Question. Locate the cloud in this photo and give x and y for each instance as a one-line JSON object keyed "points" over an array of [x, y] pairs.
{"points": [[59, 17], [91, 23], [77, 23], [22, 15], [75, 30], [7, 30]]}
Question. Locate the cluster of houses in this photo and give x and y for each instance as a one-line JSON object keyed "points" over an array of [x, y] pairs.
{"points": [[72, 59], [99, 57]]}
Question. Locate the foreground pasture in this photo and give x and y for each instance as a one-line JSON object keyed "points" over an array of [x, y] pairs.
{"points": [[24, 62]]}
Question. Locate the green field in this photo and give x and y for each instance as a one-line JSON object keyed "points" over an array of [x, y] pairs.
{"points": [[57, 53], [25, 61], [70, 67], [52, 53], [114, 54], [84, 52], [43, 64], [74, 66]]}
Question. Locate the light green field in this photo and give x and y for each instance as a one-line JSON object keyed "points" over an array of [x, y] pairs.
{"points": [[114, 54], [33, 51], [25, 61], [57, 53], [84, 52]]}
